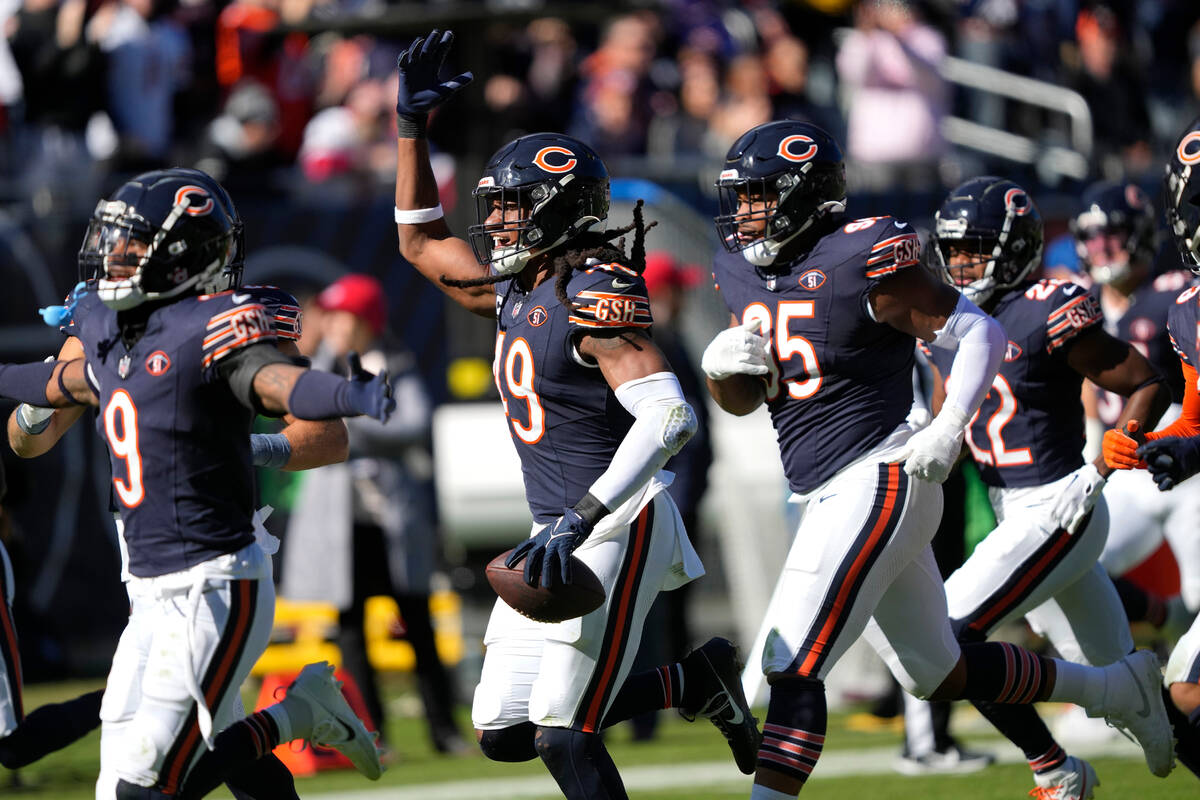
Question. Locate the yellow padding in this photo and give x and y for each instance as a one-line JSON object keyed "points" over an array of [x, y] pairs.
{"points": [[304, 633]]}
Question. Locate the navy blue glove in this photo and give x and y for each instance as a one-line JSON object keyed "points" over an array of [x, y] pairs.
{"points": [[369, 394], [1171, 460], [548, 555], [420, 91]]}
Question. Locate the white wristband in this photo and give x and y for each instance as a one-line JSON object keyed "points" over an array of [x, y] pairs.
{"points": [[415, 216]]}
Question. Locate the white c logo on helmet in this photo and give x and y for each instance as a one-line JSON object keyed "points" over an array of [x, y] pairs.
{"points": [[193, 209], [568, 165], [1183, 154], [785, 148], [1017, 201]]}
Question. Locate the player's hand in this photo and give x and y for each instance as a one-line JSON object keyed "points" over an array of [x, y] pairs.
{"points": [[420, 90], [1171, 460], [1077, 497], [1120, 446], [370, 394], [930, 453], [548, 555], [736, 351]]}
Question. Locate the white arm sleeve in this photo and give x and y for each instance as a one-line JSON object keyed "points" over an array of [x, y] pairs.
{"points": [[979, 342], [663, 423]]}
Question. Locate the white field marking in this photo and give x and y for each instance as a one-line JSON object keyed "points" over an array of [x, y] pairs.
{"points": [[707, 774]]}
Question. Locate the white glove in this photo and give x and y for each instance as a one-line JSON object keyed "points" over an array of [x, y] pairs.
{"points": [[1077, 497], [932, 451], [735, 351]]}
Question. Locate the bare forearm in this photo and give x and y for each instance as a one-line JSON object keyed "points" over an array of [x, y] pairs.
{"points": [[274, 383], [315, 443], [1145, 405], [738, 394], [32, 445]]}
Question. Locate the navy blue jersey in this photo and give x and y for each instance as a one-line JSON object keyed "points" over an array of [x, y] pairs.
{"points": [[564, 419], [1029, 429], [840, 382], [178, 440], [1184, 322], [1144, 325]]}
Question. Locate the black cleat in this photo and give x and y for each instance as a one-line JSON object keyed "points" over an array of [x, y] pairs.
{"points": [[717, 668]]}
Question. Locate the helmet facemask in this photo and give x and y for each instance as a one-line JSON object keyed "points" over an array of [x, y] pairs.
{"points": [[538, 217], [135, 262], [1183, 213], [774, 203]]}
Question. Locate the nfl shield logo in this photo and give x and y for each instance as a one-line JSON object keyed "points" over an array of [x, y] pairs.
{"points": [[123, 366]]}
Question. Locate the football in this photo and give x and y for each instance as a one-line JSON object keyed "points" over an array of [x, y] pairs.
{"points": [[583, 595]]}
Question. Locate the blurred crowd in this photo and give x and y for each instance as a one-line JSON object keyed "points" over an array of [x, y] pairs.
{"points": [[292, 94]]}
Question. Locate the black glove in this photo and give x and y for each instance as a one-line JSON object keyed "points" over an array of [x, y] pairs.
{"points": [[369, 394], [1171, 460], [419, 90], [548, 555]]}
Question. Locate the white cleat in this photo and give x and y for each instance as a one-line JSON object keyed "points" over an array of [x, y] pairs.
{"points": [[1074, 780], [1133, 703], [334, 723]]}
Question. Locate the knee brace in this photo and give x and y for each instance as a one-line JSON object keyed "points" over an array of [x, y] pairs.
{"points": [[512, 744]]}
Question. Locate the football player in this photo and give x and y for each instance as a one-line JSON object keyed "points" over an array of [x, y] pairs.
{"points": [[594, 411], [1116, 237], [24, 738], [1040, 561], [1172, 454], [179, 368], [824, 316], [302, 444]]}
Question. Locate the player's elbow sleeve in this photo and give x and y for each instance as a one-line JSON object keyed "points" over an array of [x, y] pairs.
{"points": [[679, 424]]}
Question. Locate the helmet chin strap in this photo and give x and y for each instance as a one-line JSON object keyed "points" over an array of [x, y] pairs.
{"points": [[763, 252]]}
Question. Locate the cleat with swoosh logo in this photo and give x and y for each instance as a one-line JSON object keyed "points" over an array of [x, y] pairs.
{"points": [[1133, 704], [334, 723], [715, 664], [1073, 780]]}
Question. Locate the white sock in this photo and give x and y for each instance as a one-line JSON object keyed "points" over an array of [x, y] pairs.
{"points": [[283, 721], [763, 793], [1078, 684]]}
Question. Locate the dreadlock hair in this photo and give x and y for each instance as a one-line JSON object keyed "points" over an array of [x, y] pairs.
{"points": [[587, 245]]}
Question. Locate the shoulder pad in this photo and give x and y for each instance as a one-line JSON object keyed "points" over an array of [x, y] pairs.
{"points": [[609, 296], [282, 306], [232, 327], [1073, 310], [891, 244]]}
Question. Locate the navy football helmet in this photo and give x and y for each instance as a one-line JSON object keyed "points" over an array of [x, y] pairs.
{"points": [[787, 174], [1181, 187], [163, 234], [995, 222], [557, 186], [1120, 210]]}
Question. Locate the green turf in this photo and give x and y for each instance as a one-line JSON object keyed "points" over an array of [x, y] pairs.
{"points": [[69, 774]]}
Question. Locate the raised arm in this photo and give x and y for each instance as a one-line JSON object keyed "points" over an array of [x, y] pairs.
{"points": [[425, 239]]}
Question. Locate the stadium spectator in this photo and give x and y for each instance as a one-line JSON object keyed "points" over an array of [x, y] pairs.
{"points": [[889, 65], [366, 527]]}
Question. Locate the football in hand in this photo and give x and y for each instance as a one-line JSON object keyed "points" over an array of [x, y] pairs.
{"points": [[583, 595]]}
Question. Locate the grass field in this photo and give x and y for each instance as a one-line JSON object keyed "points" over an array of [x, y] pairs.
{"points": [[684, 761]]}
